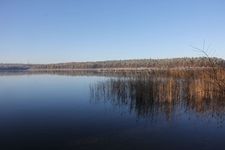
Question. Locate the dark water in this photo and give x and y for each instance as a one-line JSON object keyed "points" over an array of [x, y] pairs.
{"points": [[102, 112]]}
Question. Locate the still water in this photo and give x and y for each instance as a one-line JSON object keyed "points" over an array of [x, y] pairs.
{"points": [[48, 111]]}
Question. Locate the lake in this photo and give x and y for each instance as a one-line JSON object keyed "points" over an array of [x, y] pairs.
{"points": [[70, 111]]}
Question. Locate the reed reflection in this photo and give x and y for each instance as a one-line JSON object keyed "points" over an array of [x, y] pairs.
{"points": [[152, 95]]}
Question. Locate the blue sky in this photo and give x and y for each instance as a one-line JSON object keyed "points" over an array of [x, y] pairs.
{"points": [[50, 31]]}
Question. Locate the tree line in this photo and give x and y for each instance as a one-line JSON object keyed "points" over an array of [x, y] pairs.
{"points": [[134, 63], [138, 63]]}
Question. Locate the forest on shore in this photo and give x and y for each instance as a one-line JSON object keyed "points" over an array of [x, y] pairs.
{"points": [[200, 62]]}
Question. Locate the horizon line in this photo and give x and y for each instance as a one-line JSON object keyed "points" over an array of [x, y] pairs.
{"points": [[108, 60]]}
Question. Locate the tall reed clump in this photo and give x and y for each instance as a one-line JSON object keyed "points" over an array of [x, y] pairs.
{"points": [[215, 72]]}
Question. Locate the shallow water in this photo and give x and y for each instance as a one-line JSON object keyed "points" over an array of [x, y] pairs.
{"points": [[46, 111]]}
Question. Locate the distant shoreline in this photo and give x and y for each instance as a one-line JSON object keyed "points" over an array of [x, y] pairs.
{"points": [[109, 69], [138, 64], [122, 69]]}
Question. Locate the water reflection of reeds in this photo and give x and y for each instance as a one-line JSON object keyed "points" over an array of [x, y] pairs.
{"points": [[148, 94]]}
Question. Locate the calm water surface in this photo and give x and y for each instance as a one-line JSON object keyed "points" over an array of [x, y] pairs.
{"points": [[102, 112]]}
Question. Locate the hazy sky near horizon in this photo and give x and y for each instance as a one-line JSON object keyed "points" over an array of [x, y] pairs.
{"points": [[51, 31]]}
